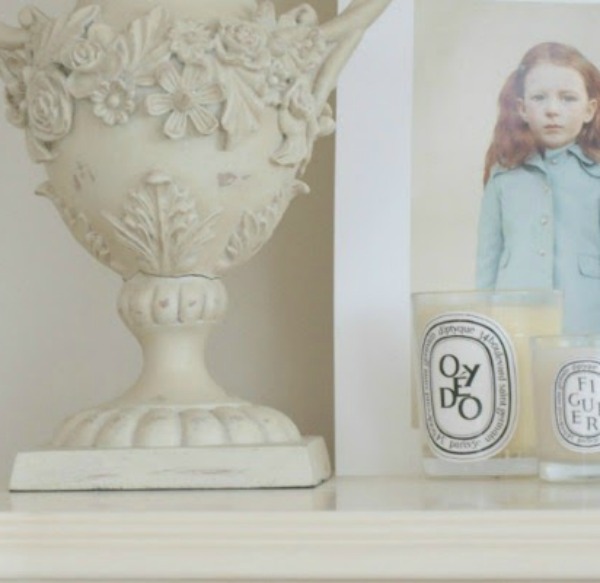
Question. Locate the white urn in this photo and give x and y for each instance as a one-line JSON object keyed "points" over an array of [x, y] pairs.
{"points": [[173, 133]]}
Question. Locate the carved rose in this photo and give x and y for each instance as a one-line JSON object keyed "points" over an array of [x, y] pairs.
{"points": [[309, 51], [244, 44], [49, 105], [298, 41], [187, 97], [190, 41], [114, 101], [296, 52], [85, 55], [92, 61]]}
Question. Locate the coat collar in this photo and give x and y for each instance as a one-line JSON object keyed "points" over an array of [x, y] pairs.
{"points": [[537, 161], [590, 166]]}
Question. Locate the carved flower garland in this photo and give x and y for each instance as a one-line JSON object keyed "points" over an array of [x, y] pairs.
{"points": [[201, 77]]}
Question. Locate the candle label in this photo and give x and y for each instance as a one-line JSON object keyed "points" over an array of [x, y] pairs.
{"points": [[469, 382], [577, 406]]}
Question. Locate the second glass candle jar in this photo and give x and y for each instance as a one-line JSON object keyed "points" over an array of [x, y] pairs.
{"points": [[567, 389]]}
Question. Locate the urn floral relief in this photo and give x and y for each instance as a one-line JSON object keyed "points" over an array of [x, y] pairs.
{"points": [[174, 134]]}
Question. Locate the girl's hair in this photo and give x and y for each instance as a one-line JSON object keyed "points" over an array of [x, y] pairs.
{"points": [[513, 142]]}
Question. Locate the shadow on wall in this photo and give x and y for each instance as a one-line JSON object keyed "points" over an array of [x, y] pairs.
{"points": [[276, 345]]}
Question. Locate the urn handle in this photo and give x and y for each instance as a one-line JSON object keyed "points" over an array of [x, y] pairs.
{"points": [[346, 31], [11, 37]]}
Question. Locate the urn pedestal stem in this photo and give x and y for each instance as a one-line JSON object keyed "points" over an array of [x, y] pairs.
{"points": [[171, 319]]}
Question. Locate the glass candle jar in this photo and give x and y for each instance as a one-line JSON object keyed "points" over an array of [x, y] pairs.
{"points": [[473, 378], [566, 373]]}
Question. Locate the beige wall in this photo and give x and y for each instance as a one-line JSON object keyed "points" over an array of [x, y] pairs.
{"points": [[63, 348], [280, 321], [464, 51]]}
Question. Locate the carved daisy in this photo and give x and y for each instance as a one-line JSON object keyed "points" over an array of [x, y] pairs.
{"points": [[186, 99], [114, 101]]}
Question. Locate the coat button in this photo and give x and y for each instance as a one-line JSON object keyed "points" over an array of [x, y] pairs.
{"points": [[544, 220], [542, 253]]}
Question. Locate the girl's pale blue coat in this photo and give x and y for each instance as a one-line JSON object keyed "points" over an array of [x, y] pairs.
{"points": [[540, 228]]}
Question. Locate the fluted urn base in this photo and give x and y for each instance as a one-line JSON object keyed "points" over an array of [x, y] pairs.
{"points": [[162, 426]]}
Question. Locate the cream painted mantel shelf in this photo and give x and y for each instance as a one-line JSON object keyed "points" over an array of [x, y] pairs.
{"points": [[359, 529]]}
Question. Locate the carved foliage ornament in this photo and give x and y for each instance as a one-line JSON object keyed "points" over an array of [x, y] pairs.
{"points": [[256, 228], [200, 77], [80, 226], [162, 226]]}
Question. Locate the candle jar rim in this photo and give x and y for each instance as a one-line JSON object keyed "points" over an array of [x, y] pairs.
{"points": [[566, 341], [492, 297]]}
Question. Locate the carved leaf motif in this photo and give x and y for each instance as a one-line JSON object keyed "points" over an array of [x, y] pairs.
{"points": [[244, 107], [256, 228], [56, 34], [145, 45], [80, 227], [161, 224]]}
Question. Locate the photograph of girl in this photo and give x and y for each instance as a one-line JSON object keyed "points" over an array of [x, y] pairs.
{"points": [[539, 224], [506, 151]]}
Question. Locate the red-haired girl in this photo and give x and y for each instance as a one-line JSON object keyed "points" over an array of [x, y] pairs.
{"points": [[540, 217]]}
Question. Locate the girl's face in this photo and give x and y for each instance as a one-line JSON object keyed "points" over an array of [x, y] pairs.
{"points": [[555, 105]]}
